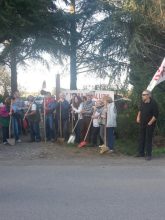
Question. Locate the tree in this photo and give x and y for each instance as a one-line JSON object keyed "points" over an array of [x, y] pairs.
{"points": [[27, 29], [4, 81]]}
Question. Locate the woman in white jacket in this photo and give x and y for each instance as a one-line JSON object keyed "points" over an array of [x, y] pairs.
{"points": [[111, 124], [111, 115]]}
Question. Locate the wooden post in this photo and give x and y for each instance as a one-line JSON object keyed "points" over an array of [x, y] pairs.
{"points": [[57, 86]]}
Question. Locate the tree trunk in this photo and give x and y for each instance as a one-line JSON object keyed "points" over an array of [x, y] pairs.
{"points": [[73, 42], [13, 67]]}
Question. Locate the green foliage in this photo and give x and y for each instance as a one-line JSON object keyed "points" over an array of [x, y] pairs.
{"points": [[127, 127]]}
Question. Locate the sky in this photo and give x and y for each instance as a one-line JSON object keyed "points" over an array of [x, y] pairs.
{"points": [[32, 76]]}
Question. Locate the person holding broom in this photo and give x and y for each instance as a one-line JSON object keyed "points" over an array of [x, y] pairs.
{"points": [[87, 111]]}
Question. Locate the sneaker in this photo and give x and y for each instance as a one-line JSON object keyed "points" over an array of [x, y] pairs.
{"points": [[5, 142], [139, 155], [18, 141], [111, 151], [100, 146], [148, 158], [104, 149]]}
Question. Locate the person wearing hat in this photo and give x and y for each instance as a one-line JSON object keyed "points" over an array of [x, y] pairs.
{"points": [[33, 116]]}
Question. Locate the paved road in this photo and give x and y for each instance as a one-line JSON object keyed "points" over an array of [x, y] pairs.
{"points": [[52, 191]]}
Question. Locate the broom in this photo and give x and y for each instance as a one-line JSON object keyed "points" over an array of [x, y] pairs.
{"points": [[84, 142], [72, 136]]}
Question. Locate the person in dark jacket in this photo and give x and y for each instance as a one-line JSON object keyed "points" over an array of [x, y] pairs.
{"points": [[62, 112], [33, 116], [146, 118], [50, 106]]}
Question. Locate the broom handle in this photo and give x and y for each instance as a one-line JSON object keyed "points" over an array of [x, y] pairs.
{"points": [[10, 127], [29, 108], [44, 119], [10, 119], [105, 130], [75, 125], [60, 122], [88, 129]]}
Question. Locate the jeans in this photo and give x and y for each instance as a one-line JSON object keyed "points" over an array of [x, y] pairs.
{"points": [[110, 137], [34, 131], [78, 131], [63, 128], [5, 133], [50, 134], [95, 135], [15, 126]]}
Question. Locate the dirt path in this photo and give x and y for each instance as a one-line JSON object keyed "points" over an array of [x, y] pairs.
{"points": [[54, 153]]}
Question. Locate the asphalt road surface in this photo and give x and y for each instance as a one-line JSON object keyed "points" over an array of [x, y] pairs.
{"points": [[48, 190]]}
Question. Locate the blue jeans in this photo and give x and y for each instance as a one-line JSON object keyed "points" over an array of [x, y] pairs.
{"points": [[50, 133], [110, 137], [64, 128], [15, 127], [34, 131]]}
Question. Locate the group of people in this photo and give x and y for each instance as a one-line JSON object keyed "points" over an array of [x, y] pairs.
{"points": [[92, 121]]}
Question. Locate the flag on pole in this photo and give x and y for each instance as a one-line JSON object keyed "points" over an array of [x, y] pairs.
{"points": [[158, 77]]}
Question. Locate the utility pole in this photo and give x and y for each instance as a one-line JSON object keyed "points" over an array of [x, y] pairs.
{"points": [[73, 47]]}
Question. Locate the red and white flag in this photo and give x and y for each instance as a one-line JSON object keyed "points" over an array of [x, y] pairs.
{"points": [[158, 77]]}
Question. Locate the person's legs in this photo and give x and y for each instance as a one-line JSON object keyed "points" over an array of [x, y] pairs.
{"points": [[102, 128], [95, 133], [86, 125], [142, 139], [32, 132], [65, 129], [15, 128], [51, 127], [149, 135], [47, 128], [5, 134], [111, 138], [78, 131], [36, 128]]}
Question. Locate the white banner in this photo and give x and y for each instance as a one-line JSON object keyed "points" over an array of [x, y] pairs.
{"points": [[158, 77], [98, 94]]}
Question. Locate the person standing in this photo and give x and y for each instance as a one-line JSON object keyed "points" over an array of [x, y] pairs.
{"points": [[98, 109], [77, 105], [50, 106], [87, 111], [146, 118], [33, 116], [110, 126], [4, 119], [63, 116]]}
